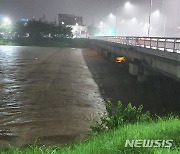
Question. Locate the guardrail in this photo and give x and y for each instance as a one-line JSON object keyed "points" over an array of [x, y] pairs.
{"points": [[160, 43]]}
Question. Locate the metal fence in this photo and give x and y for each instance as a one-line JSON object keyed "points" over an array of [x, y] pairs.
{"points": [[164, 44]]}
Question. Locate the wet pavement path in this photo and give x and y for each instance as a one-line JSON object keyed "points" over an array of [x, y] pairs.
{"points": [[47, 96]]}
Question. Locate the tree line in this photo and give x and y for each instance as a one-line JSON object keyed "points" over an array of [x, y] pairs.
{"points": [[37, 29]]}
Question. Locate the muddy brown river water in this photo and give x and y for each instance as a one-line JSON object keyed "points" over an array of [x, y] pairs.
{"points": [[52, 96], [47, 96]]}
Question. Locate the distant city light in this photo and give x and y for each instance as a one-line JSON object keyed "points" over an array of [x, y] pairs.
{"points": [[24, 20], [156, 13], [134, 19], [6, 21], [128, 5], [111, 15], [101, 23], [146, 24], [123, 21]]}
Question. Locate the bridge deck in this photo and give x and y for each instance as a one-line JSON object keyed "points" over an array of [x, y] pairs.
{"points": [[160, 54], [164, 44]]}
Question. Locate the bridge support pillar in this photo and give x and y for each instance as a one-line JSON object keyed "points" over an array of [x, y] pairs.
{"points": [[133, 69], [139, 71]]}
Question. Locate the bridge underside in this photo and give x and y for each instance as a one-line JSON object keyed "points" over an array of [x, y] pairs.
{"points": [[143, 61]]}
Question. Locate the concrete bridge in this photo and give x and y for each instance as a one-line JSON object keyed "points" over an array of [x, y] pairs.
{"points": [[146, 55]]}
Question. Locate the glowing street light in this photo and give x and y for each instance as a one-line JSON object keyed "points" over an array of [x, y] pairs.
{"points": [[128, 5], [101, 26], [113, 20], [6, 21], [156, 13], [134, 19], [111, 15], [101, 23]]}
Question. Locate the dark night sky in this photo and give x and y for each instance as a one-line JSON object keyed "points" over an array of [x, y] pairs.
{"points": [[89, 9]]}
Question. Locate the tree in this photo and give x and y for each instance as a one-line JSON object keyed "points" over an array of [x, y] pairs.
{"points": [[20, 29], [39, 29]]}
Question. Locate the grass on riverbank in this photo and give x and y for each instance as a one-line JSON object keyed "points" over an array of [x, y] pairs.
{"points": [[113, 141], [71, 43], [7, 42]]}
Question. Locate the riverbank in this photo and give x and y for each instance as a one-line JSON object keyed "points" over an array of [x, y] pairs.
{"points": [[114, 141], [46, 42]]}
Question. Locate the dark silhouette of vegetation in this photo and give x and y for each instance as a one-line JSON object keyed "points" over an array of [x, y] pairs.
{"points": [[38, 33], [37, 29]]}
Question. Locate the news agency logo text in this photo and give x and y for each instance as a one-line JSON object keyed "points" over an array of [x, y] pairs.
{"points": [[149, 143]]}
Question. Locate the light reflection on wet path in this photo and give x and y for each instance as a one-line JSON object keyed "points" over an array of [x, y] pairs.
{"points": [[47, 95]]}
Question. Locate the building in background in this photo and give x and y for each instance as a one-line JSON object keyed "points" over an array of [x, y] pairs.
{"points": [[75, 22], [69, 19], [79, 31]]}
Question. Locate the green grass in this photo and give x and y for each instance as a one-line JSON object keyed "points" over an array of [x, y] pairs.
{"points": [[72, 43], [7, 42], [113, 141]]}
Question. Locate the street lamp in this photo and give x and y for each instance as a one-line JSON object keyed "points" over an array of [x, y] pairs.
{"points": [[128, 5], [111, 15], [155, 18], [157, 13], [113, 20], [164, 27], [101, 26], [150, 9]]}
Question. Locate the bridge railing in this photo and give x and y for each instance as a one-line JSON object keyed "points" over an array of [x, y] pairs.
{"points": [[161, 43]]}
